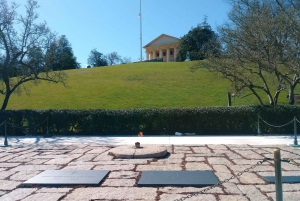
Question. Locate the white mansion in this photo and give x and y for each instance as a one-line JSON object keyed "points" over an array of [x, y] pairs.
{"points": [[164, 46]]}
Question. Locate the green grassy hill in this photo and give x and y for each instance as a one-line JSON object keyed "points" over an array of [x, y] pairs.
{"points": [[137, 85]]}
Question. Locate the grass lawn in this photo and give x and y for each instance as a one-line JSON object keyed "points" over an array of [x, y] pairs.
{"points": [[137, 85]]}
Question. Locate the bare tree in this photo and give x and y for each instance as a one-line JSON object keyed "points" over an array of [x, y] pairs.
{"points": [[23, 44], [261, 48], [113, 58]]}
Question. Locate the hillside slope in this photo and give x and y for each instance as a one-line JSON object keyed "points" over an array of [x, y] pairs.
{"points": [[137, 85]]}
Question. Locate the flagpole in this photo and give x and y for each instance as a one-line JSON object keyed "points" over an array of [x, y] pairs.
{"points": [[141, 29]]}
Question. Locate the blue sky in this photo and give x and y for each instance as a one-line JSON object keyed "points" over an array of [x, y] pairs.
{"points": [[114, 25]]}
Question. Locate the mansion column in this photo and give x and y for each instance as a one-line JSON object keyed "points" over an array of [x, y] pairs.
{"points": [[160, 54], [147, 56], [168, 55], [154, 55], [175, 53]]}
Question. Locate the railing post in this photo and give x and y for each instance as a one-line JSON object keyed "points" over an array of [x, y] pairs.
{"points": [[5, 135], [47, 132], [258, 128], [295, 134], [278, 178]]}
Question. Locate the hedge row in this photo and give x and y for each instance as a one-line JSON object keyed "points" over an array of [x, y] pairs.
{"points": [[206, 120]]}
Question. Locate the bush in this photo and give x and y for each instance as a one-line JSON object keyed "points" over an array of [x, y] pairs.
{"points": [[206, 120]]}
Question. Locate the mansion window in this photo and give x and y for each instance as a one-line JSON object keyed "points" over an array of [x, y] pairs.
{"points": [[164, 53]]}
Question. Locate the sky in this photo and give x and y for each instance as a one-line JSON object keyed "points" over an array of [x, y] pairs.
{"points": [[114, 25]]}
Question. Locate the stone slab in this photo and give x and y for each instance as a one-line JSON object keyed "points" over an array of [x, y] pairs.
{"points": [[177, 178], [284, 179], [148, 151], [68, 177]]}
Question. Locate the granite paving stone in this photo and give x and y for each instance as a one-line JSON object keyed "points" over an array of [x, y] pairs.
{"points": [[98, 150], [217, 146], [197, 166], [86, 157], [222, 176], [231, 188], [207, 155], [190, 158], [38, 161], [233, 156], [36, 167], [233, 198], [289, 196], [260, 168], [285, 187], [103, 157], [44, 197], [222, 151], [123, 175], [250, 155], [201, 150], [166, 161], [219, 160], [17, 194], [54, 190], [114, 167], [178, 156], [168, 197], [245, 161], [159, 167], [119, 182], [5, 174], [221, 168], [250, 178], [24, 175], [185, 190], [252, 193], [9, 165], [109, 193], [8, 185], [79, 167]]}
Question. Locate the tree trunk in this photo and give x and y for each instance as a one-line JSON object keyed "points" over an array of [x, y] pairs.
{"points": [[291, 94], [7, 95], [5, 101]]}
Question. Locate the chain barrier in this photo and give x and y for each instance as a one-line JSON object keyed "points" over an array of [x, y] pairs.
{"points": [[222, 182], [274, 125], [298, 120], [293, 162]]}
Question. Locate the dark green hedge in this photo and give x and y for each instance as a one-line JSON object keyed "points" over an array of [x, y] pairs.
{"points": [[206, 120]]}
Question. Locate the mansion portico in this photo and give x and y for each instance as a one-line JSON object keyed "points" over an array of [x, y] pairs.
{"points": [[164, 47]]}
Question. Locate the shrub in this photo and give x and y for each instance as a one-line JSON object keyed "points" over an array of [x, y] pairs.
{"points": [[206, 120]]}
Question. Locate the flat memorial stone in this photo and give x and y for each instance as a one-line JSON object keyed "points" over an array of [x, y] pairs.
{"points": [[68, 177], [177, 178], [284, 179]]}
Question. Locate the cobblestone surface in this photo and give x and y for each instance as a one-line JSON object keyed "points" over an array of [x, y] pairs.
{"points": [[17, 164]]}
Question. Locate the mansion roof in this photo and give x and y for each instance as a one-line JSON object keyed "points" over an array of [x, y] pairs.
{"points": [[163, 39]]}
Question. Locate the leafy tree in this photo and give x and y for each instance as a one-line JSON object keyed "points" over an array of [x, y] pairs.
{"points": [[23, 44], [126, 60], [96, 59], [198, 41], [261, 44], [60, 55], [113, 58]]}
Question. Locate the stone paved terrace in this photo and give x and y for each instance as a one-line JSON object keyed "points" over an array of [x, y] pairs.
{"points": [[19, 163]]}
